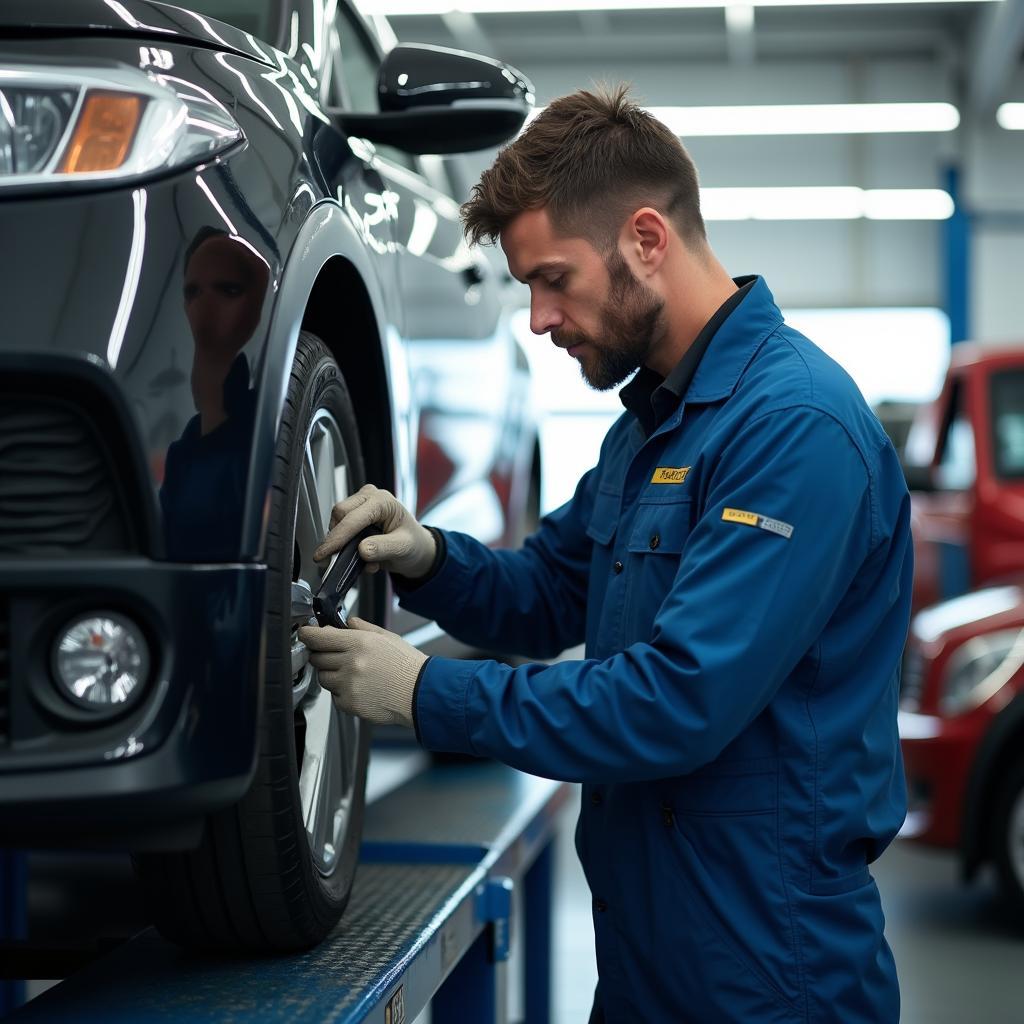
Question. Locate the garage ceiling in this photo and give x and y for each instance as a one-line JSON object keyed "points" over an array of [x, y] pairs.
{"points": [[982, 42]]}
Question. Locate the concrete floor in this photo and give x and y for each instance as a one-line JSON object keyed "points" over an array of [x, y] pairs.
{"points": [[959, 954]]}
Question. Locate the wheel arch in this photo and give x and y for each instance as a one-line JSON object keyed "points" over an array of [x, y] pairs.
{"points": [[1002, 744], [328, 286], [339, 286]]}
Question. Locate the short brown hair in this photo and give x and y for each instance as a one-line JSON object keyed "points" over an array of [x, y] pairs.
{"points": [[590, 158]]}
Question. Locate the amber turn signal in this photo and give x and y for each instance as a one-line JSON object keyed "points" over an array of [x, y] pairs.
{"points": [[103, 136]]}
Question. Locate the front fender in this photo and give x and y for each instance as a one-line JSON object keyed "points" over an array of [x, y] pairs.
{"points": [[326, 234]]}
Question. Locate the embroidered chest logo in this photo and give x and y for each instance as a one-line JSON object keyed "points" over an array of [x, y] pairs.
{"points": [[670, 474]]}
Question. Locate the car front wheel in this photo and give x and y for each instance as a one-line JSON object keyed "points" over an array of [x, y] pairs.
{"points": [[275, 871]]}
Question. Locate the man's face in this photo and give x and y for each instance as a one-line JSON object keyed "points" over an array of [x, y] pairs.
{"points": [[594, 308], [225, 284]]}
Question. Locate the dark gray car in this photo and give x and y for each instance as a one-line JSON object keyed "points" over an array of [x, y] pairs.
{"points": [[232, 291]]}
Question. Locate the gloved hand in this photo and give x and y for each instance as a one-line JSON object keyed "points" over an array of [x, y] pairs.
{"points": [[403, 547], [371, 671]]}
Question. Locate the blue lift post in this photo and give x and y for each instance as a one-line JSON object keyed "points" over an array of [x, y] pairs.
{"points": [[957, 259], [428, 924]]}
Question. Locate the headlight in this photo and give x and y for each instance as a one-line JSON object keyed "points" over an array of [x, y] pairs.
{"points": [[101, 662], [980, 668], [73, 125]]}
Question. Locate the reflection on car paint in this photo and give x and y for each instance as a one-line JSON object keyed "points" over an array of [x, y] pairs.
{"points": [[131, 277], [424, 336], [203, 492], [151, 56]]}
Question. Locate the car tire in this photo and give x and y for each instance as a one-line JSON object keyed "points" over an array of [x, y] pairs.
{"points": [[269, 874], [1008, 836]]}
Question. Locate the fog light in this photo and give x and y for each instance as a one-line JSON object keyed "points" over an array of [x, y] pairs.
{"points": [[101, 662]]}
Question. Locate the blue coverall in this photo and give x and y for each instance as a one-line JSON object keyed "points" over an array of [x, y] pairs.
{"points": [[742, 579]]}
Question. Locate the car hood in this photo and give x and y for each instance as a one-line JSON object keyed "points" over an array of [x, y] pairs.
{"points": [[135, 18]]}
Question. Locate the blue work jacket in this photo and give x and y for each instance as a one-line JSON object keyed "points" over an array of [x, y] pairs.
{"points": [[742, 579]]}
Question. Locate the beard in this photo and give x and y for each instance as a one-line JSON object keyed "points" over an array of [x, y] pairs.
{"points": [[630, 322]]}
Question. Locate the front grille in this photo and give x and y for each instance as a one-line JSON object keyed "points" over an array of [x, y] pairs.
{"points": [[5, 674], [58, 488], [911, 678]]}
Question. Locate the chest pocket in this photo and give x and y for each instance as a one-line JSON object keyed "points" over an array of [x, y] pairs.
{"points": [[656, 541], [661, 529]]}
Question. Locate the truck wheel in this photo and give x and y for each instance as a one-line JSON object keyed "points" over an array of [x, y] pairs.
{"points": [[1008, 836], [275, 871]]}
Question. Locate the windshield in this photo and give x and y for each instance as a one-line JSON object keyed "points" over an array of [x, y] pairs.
{"points": [[261, 18]]}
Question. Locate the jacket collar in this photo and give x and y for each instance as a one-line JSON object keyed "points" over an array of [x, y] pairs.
{"points": [[734, 344]]}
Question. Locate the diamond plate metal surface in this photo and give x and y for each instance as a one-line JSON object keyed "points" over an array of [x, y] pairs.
{"points": [[392, 908], [446, 832]]}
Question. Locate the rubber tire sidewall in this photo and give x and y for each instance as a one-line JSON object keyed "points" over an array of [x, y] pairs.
{"points": [[321, 387]]}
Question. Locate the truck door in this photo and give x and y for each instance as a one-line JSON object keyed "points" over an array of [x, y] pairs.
{"points": [[998, 535], [942, 518]]}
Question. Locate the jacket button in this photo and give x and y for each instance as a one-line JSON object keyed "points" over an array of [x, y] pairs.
{"points": [[600, 906], [655, 541], [596, 799], [666, 816], [617, 568]]}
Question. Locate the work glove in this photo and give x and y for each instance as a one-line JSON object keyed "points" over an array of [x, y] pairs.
{"points": [[370, 671], [403, 546]]}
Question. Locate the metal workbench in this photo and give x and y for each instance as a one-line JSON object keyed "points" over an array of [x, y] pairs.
{"points": [[429, 923]]}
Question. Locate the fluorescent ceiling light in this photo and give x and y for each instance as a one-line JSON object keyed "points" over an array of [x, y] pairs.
{"points": [[810, 119], [907, 204], [1011, 116], [825, 203], [400, 7]]}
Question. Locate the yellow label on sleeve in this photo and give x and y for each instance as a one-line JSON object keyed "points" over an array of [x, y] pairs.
{"points": [[735, 515], [670, 474], [776, 526]]}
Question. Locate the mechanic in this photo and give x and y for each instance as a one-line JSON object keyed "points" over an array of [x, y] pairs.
{"points": [[739, 564]]}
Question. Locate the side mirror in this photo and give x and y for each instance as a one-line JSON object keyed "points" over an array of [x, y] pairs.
{"points": [[919, 478], [437, 100]]}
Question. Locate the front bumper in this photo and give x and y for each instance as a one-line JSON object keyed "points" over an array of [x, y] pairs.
{"points": [[937, 757], [187, 748]]}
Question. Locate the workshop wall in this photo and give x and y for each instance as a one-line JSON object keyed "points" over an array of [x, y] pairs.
{"points": [[994, 185], [808, 263], [825, 264]]}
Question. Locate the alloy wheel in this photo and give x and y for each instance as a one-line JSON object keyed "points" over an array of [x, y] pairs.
{"points": [[326, 740]]}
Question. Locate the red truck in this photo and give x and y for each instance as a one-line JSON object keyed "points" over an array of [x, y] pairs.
{"points": [[962, 696]]}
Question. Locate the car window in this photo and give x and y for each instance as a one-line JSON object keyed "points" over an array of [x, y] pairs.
{"points": [[957, 469], [260, 17], [355, 73], [1007, 392], [358, 66]]}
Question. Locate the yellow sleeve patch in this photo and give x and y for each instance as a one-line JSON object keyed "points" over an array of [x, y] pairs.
{"points": [[776, 526], [670, 474], [735, 515]]}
